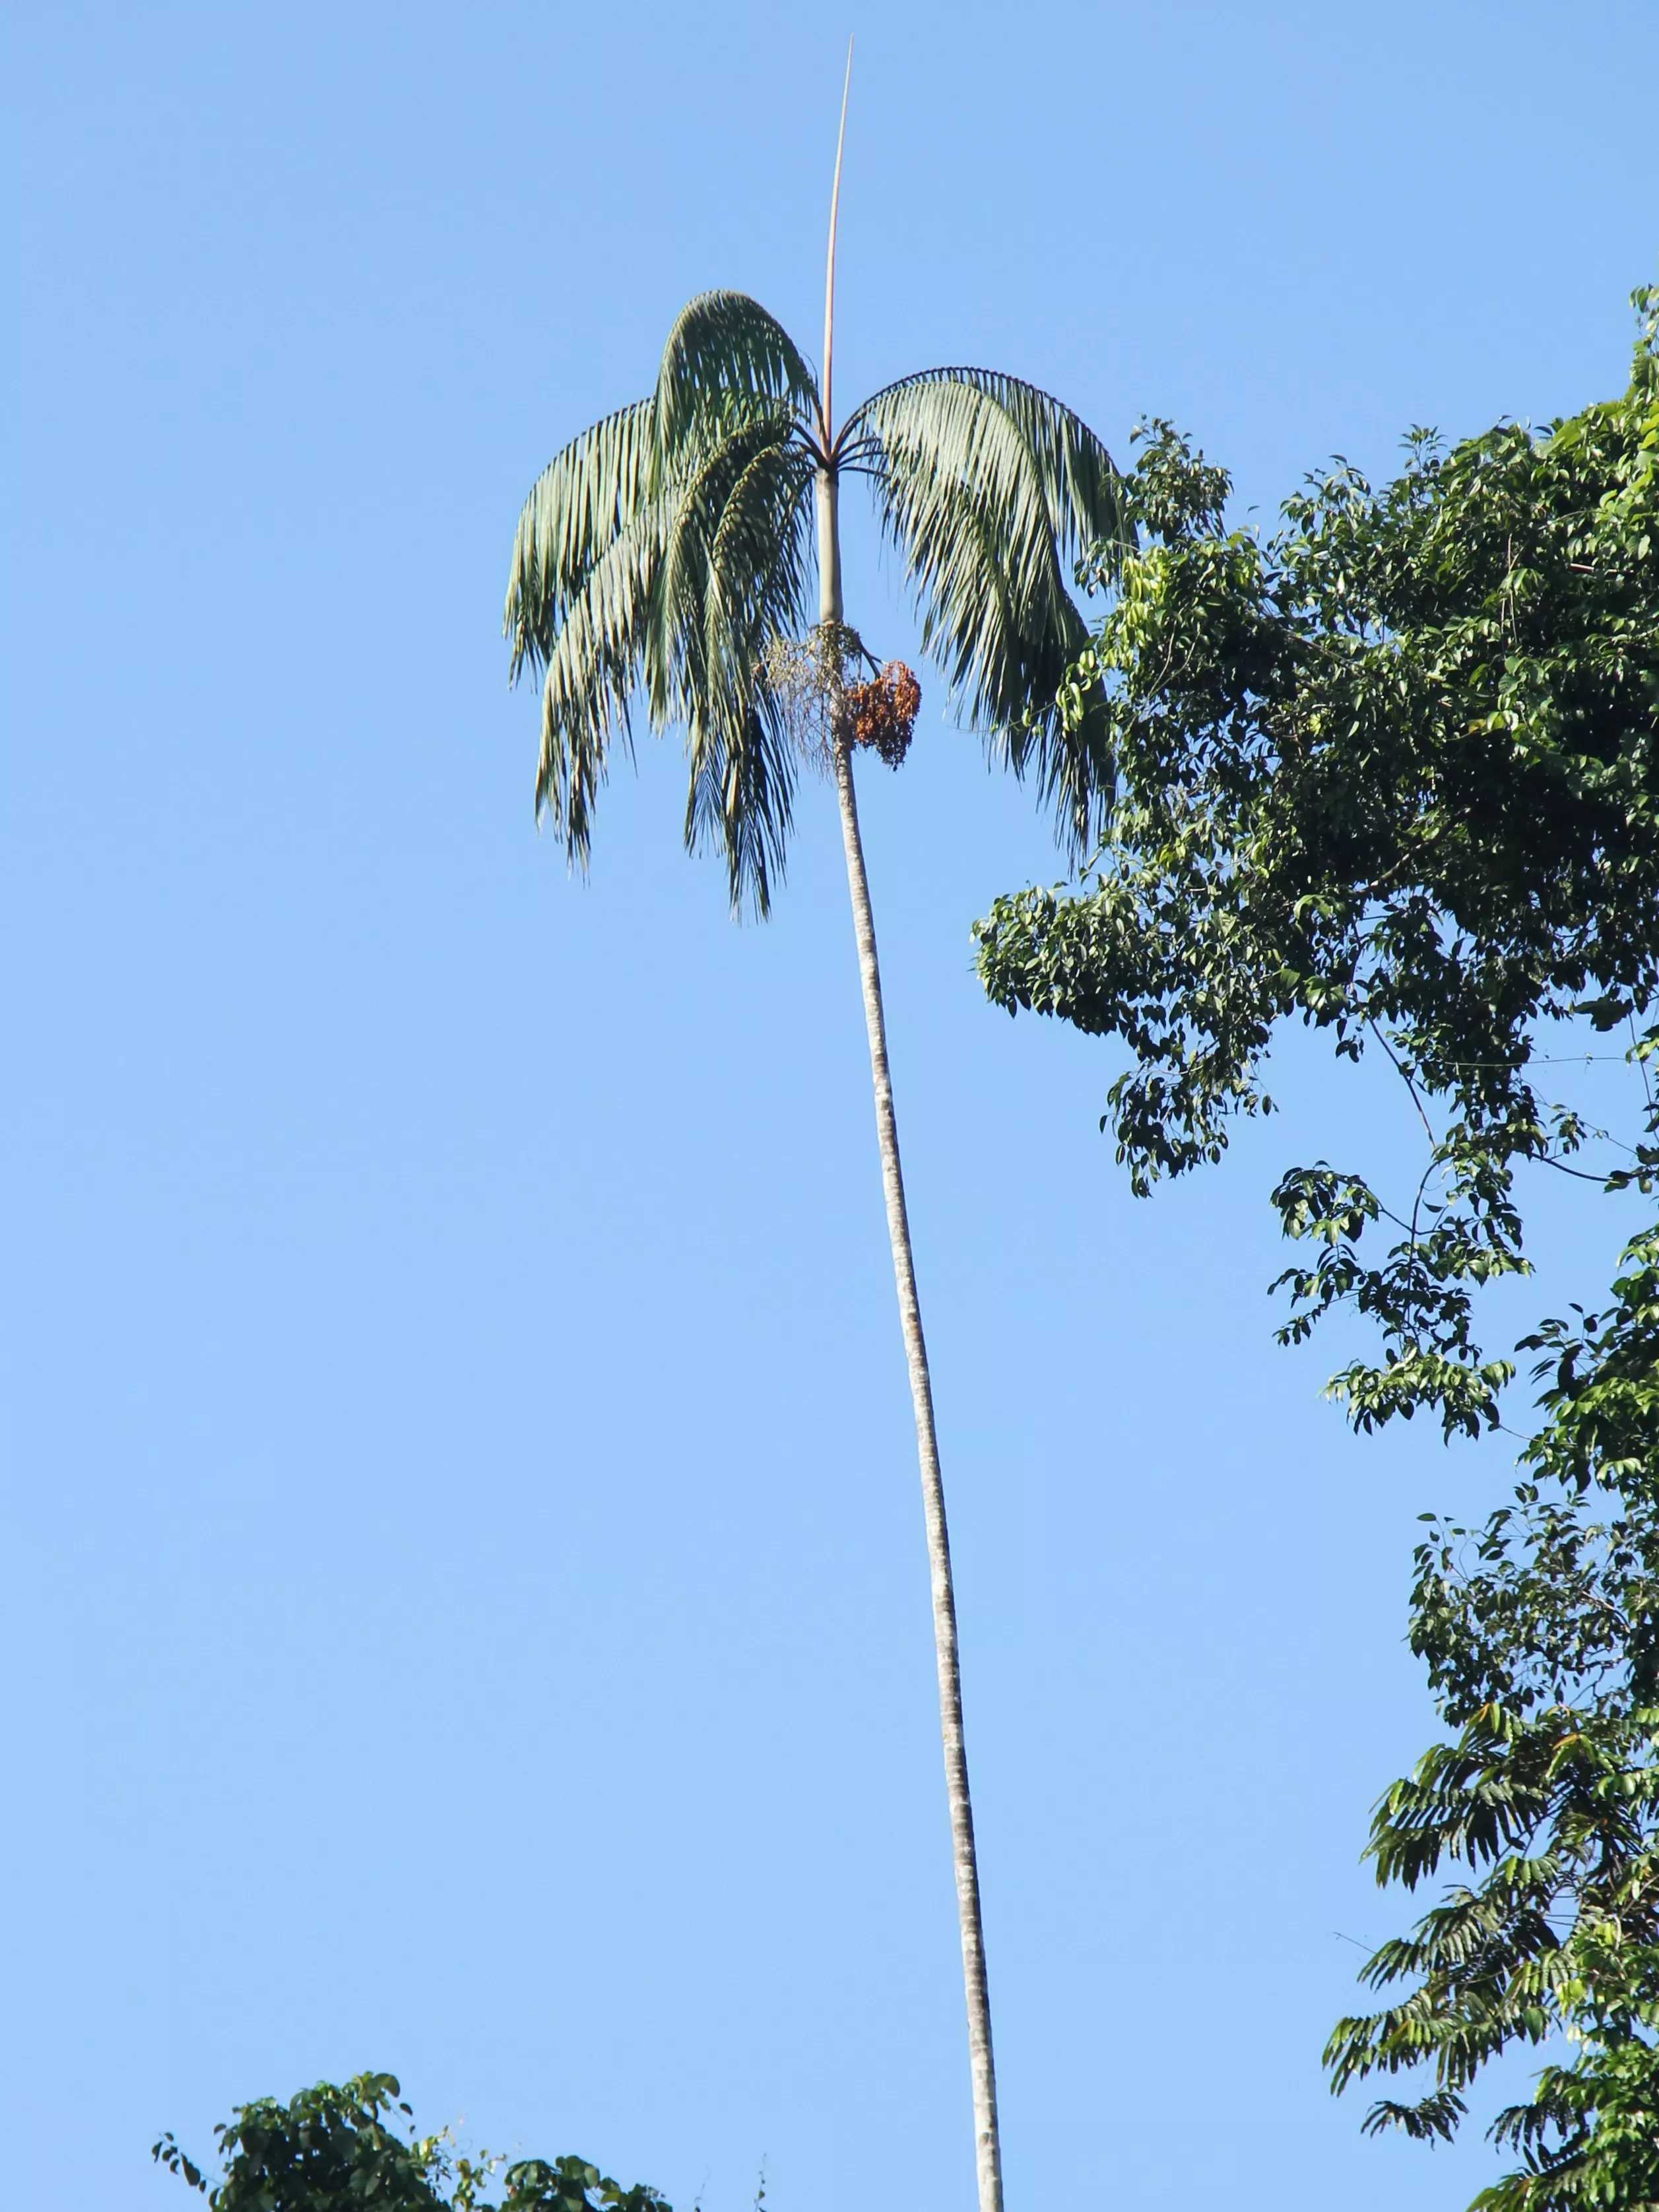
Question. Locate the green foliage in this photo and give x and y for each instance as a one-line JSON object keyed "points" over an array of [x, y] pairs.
{"points": [[665, 553], [993, 491], [338, 2149], [661, 551], [1541, 1635], [1393, 774]]}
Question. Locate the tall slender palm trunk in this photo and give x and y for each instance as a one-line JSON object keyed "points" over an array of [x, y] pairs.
{"points": [[986, 2144]]}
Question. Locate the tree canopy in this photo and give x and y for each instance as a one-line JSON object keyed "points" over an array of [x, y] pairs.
{"points": [[1393, 772], [352, 2147]]}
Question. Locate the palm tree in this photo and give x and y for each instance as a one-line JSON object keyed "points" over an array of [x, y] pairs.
{"points": [[665, 555]]}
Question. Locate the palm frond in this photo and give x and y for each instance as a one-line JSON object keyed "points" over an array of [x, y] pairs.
{"points": [[1080, 481], [742, 757], [632, 575], [592, 664], [587, 496], [733, 575], [985, 484], [726, 359], [696, 506]]}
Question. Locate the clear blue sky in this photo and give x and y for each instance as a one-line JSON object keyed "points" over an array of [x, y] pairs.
{"points": [[464, 1607]]}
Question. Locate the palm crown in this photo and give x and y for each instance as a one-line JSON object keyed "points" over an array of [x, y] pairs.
{"points": [[661, 555]]}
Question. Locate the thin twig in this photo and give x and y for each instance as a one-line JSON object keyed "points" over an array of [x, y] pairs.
{"points": [[1405, 1077]]}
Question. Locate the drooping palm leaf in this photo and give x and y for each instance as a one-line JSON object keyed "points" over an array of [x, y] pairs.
{"points": [[583, 499], [987, 484], [726, 357], [733, 575], [702, 493], [1080, 481], [959, 490], [592, 667], [659, 554], [585, 554], [743, 761]]}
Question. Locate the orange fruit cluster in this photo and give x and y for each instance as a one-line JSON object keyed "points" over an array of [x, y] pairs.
{"points": [[882, 714]]}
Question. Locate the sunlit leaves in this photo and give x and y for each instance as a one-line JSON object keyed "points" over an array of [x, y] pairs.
{"points": [[329, 2149], [354, 2147], [656, 558], [1393, 774], [664, 555], [727, 361], [992, 489], [1381, 774]]}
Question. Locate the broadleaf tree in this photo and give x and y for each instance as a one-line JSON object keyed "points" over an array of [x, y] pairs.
{"points": [[353, 2147], [681, 559], [1393, 774]]}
